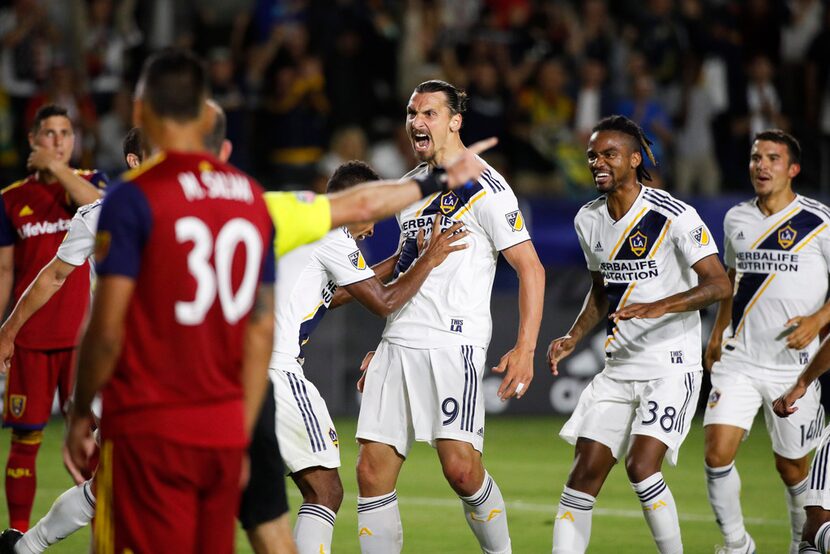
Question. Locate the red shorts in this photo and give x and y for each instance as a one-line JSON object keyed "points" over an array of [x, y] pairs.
{"points": [[31, 382], [155, 495]]}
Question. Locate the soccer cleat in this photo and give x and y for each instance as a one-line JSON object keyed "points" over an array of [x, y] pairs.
{"points": [[747, 548], [8, 539]]}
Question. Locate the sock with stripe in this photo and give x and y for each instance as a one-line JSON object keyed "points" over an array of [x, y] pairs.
{"points": [[21, 482], [313, 529], [72, 510], [572, 528], [796, 495], [724, 488], [660, 512], [487, 517], [379, 526], [822, 539], [806, 548]]}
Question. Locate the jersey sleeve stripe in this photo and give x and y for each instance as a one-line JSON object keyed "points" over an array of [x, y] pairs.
{"points": [[664, 204], [628, 230], [668, 198], [492, 181], [774, 227]]}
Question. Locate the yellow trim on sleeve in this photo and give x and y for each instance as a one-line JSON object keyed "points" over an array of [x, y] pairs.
{"points": [[430, 198], [16, 184], [299, 218]]}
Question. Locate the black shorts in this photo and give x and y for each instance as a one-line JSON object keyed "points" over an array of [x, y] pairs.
{"points": [[264, 498]]}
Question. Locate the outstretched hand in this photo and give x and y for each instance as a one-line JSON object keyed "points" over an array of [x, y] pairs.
{"points": [[466, 166]]}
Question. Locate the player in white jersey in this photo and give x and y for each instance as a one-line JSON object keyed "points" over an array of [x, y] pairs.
{"points": [[424, 381], [777, 249], [653, 264], [309, 277], [74, 508]]}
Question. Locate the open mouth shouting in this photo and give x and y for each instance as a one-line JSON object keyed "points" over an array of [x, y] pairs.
{"points": [[421, 141]]}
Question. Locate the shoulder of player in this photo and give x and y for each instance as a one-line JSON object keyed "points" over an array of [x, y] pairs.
{"points": [[589, 209], [815, 207], [493, 182], [16, 185], [89, 210], [663, 202], [149, 166], [739, 210], [416, 171]]}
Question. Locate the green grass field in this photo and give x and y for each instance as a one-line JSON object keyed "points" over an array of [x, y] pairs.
{"points": [[530, 463]]}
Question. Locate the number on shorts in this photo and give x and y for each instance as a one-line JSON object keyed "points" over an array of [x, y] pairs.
{"points": [[450, 408], [809, 433], [666, 420]]}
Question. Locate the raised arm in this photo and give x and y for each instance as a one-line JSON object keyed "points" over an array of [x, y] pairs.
{"points": [[713, 285], [382, 299], [713, 348], [517, 363], [80, 190], [49, 281], [594, 310]]}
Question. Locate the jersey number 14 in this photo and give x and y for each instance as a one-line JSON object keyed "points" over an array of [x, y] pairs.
{"points": [[215, 279]]}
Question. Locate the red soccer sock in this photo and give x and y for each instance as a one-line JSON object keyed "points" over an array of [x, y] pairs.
{"points": [[21, 482]]}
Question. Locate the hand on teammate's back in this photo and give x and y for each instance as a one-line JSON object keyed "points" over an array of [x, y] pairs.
{"points": [[467, 166], [441, 242], [651, 310]]}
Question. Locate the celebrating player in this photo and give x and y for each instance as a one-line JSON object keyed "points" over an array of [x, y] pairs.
{"points": [[34, 216], [777, 249], [424, 380], [653, 265]]}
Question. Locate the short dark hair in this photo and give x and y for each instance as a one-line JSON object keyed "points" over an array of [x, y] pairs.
{"points": [[174, 83], [47, 111], [216, 136], [640, 143], [134, 143], [456, 98], [782, 137], [350, 174]]}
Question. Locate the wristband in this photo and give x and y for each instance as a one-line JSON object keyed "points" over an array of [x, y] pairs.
{"points": [[434, 181]]}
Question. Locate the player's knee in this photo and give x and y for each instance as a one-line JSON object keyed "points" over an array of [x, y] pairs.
{"points": [[792, 472], [372, 479], [639, 469], [717, 458], [463, 473], [328, 493]]}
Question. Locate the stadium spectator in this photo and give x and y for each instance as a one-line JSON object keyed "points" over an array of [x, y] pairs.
{"points": [[35, 215], [112, 127]]}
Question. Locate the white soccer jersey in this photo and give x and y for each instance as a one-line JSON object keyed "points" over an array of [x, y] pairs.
{"points": [[781, 263], [308, 278], [79, 243], [452, 308], [645, 256]]}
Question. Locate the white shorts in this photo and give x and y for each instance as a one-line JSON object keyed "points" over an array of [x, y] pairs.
{"points": [[818, 492], [423, 395], [610, 411], [305, 430], [736, 397]]}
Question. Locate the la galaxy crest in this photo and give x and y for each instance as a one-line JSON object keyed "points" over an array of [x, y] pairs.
{"points": [[638, 243], [786, 236], [357, 260], [448, 202], [17, 404], [515, 220], [333, 436]]}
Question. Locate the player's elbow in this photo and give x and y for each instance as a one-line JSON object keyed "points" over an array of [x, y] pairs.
{"points": [[723, 288]]}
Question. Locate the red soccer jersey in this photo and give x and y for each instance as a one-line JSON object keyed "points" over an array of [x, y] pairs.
{"points": [[196, 237], [34, 219]]}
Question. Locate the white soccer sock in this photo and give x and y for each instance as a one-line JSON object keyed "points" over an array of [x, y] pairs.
{"points": [[724, 487], [795, 504], [71, 511], [660, 512], [572, 528], [379, 524], [487, 517], [822, 539], [313, 529]]}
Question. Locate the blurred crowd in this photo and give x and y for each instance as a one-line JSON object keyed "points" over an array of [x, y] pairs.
{"points": [[307, 84]]}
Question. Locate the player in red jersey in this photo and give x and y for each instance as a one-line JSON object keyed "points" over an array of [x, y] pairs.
{"points": [[180, 333], [34, 216]]}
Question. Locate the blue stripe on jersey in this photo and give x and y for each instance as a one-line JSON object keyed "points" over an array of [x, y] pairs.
{"points": [[308, 326], [668, 205], [409, 253], [748, 285], [650, 226], [495, 186], [802, 223], [614, 292]]}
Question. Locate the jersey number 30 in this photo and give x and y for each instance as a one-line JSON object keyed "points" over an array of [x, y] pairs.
{"points": [[216, 278]]}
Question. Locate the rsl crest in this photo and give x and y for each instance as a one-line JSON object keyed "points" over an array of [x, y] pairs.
{"points": [[357, 260], [17, 404], [638, 243], [786, 236], [448, 202]]}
